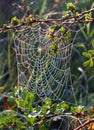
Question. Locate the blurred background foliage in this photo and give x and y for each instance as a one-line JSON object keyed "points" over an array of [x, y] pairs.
{"points": [[82, 77]]}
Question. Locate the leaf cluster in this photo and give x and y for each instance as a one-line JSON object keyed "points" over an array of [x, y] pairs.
{"points": [[28, 115], [90, 56]]}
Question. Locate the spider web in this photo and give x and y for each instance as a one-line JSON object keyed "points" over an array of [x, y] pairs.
{"points": [[42, 68]]}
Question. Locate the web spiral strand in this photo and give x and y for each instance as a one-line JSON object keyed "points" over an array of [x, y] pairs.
{"points": [[41, 68]]}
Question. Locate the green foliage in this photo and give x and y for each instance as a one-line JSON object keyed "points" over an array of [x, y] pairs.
{"points": [[90, 56], [88, 16], [54, 48], [14, 118], [8, 119], [24, 100], [83, 43], [76, 109], [4, 25], [25, 115], [71, 7], [28, 21], [62, 29], [15, 21]]}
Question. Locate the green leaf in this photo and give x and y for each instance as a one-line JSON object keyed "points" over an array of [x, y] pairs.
{"points": [[91, 52], [88, 16], [54, 48], [6, 118], [80, 107], [73, 110], [27, 20], [65, 13], [4, 25], [91, 33], [15, 21], [88, 28], [86, 54], [48, 101], [20, 124], [88, 63], [20, 103], [81, 45], [35, 112], [53, 108], [64, 106], [71, 6], [45, 108], [30, 119], [62, 29], [91, 63]]}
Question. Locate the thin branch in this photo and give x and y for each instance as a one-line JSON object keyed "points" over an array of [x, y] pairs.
{"points": [[67, 17], [10, 27], [48, 117], [84, 124], [64, 20]]}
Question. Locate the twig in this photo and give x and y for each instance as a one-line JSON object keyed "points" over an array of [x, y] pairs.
{"points": [[64, 20], [10, 27], [84, 124], [56, 115]]}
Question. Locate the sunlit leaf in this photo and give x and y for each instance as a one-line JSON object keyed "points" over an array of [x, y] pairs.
{"points": [[30, 119], [71, 6], [88, 63], [48, 101], [64, 106], [86, 54], [91, 52]]}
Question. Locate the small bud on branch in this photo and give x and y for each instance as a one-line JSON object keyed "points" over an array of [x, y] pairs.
{"points": [[80, 18]]}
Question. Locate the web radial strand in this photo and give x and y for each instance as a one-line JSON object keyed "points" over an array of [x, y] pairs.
{"points": [[43, 69]]}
